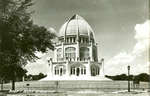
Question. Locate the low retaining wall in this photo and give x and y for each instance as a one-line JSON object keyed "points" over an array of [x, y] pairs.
{"points": [[74, 85]]}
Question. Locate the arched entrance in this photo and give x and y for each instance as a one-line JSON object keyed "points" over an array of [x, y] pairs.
{"points": [[77, 69], [59, 70]]}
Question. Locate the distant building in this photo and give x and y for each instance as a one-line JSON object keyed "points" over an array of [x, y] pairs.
{"points": [[75, 53]]}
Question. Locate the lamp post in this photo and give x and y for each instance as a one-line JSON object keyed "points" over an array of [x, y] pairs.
{"points": [[128, 79]]}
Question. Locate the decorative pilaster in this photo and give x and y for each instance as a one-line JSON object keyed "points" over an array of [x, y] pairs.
{"points": [[75, 72], [50, 67], [63, 51], [91, 51], [77, 40], [77, 51], [67, 67], [88, 70], [55, 54], [102, 68]]}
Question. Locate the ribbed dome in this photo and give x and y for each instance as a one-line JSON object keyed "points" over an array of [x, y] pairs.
{"points": [[76, 25]]}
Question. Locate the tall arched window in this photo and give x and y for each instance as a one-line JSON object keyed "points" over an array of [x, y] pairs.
{"points": [[95, 54], [59, 53], [84, 53], [70, 52]]}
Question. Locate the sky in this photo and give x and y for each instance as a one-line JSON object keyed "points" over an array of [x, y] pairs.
{"points": [[121, 30]]}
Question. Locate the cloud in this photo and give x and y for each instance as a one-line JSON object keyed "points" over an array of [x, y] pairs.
{"points": [[40, 66], [118, 64], [140, 68], [142, 30], [52, 30], [143, 38], [122, 57], [40, 54]]}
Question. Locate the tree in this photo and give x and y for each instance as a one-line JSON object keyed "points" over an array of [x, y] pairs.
{"points": [[120, 77], [140, 77], [143, 77], [35, 77], [20, 38]]}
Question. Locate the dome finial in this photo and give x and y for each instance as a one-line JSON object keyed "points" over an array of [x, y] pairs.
{"points": [[76, 16]]}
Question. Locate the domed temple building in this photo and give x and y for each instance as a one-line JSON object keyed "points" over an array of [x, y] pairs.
{"points": [[75, 53]]}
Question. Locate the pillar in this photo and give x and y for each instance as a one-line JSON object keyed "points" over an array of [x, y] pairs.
{"points": [[69, 41], [59, 71], [81, 40], [75, 71], [80, 71]]}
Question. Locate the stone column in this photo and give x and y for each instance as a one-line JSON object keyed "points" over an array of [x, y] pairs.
{"points": [[72, 39], [58, 71], [69, 41], [79, 71], [81, 40], [75, 71]]}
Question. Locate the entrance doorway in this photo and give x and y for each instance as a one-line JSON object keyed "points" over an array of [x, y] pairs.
{"points": [[78, 71]]}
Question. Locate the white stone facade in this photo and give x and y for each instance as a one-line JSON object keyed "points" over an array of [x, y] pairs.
{"points": [[75, 53]]}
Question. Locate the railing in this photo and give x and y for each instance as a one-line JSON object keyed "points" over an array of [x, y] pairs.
{"points": [[72, 59]]}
